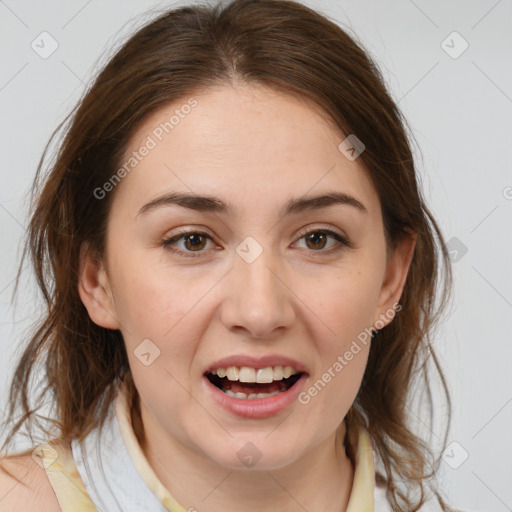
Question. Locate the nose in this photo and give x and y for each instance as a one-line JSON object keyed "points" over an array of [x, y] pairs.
{"points": [[257, 298]]}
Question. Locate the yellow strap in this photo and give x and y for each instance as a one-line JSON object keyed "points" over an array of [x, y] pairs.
{"points": [[57, 459], [361, 497]]}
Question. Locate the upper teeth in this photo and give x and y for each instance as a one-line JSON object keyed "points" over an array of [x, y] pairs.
{"points": [[261, 375]]}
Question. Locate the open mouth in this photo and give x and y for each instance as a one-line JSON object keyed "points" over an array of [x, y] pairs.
{"points": [[252, 390]]}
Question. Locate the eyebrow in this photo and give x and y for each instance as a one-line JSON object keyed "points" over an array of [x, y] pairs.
{"points": [[215, 205]]}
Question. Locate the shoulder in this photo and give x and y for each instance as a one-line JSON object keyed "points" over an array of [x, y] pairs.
{"points": [[16, 497]]}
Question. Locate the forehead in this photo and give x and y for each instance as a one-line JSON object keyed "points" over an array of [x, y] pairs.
{"points": [[248, 144]]}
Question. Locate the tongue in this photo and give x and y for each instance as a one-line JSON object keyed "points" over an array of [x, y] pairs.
{"points": [[252, 387]]}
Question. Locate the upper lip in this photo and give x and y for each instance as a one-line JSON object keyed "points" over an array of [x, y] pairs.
{"points": [[256, 362]]}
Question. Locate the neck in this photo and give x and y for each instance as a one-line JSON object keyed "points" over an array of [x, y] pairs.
{"points": [[319, 481]]}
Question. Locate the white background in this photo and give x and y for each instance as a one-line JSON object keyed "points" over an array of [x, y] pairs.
{"points": [[460, 111]]}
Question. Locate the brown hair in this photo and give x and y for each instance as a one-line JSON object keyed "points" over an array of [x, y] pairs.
{"points": [[275, 43]]}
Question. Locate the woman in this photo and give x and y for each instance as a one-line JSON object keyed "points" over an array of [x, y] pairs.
{"points": [[241, 277]]}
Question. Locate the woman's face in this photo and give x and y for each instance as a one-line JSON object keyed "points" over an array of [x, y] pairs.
{"points": [[262, 280]]}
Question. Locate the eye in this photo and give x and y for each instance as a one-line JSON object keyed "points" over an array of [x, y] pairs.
{"points": [[195, 241], [316, 240]]}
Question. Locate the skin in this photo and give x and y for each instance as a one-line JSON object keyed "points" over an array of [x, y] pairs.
{"points": [[255, 148]]}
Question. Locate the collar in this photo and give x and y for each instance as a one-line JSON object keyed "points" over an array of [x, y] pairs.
{"points": [[361, 496], [109, 471]]}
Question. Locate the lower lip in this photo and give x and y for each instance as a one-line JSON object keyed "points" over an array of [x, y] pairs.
{"points": [[259, 407]]}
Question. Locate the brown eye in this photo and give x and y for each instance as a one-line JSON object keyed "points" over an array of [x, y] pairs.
{"points": [[316, 240], [193, 242]]}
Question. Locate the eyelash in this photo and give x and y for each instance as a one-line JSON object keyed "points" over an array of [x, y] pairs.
{"points": [[343, 242]]}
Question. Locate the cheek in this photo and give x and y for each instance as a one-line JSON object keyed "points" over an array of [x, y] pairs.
{"points": [[158, 318], [346, 307], [348, 371], [346, 302], [336, 384], [152, 300]]}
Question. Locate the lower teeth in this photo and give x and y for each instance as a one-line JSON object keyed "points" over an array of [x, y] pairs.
{"points": [[252, 396]]}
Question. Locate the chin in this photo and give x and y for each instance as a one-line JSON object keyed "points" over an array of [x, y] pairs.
{"points": [[252, 454]]}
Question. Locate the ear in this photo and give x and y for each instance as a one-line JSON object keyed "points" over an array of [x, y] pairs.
{"points": [[394, 280], [94, 289]]}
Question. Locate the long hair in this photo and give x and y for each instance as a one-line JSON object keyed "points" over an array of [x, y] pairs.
{"points": [[291, 48]]}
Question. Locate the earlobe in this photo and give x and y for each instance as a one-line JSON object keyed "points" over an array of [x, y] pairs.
{"points": [[394, 280], [94, 289]]}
